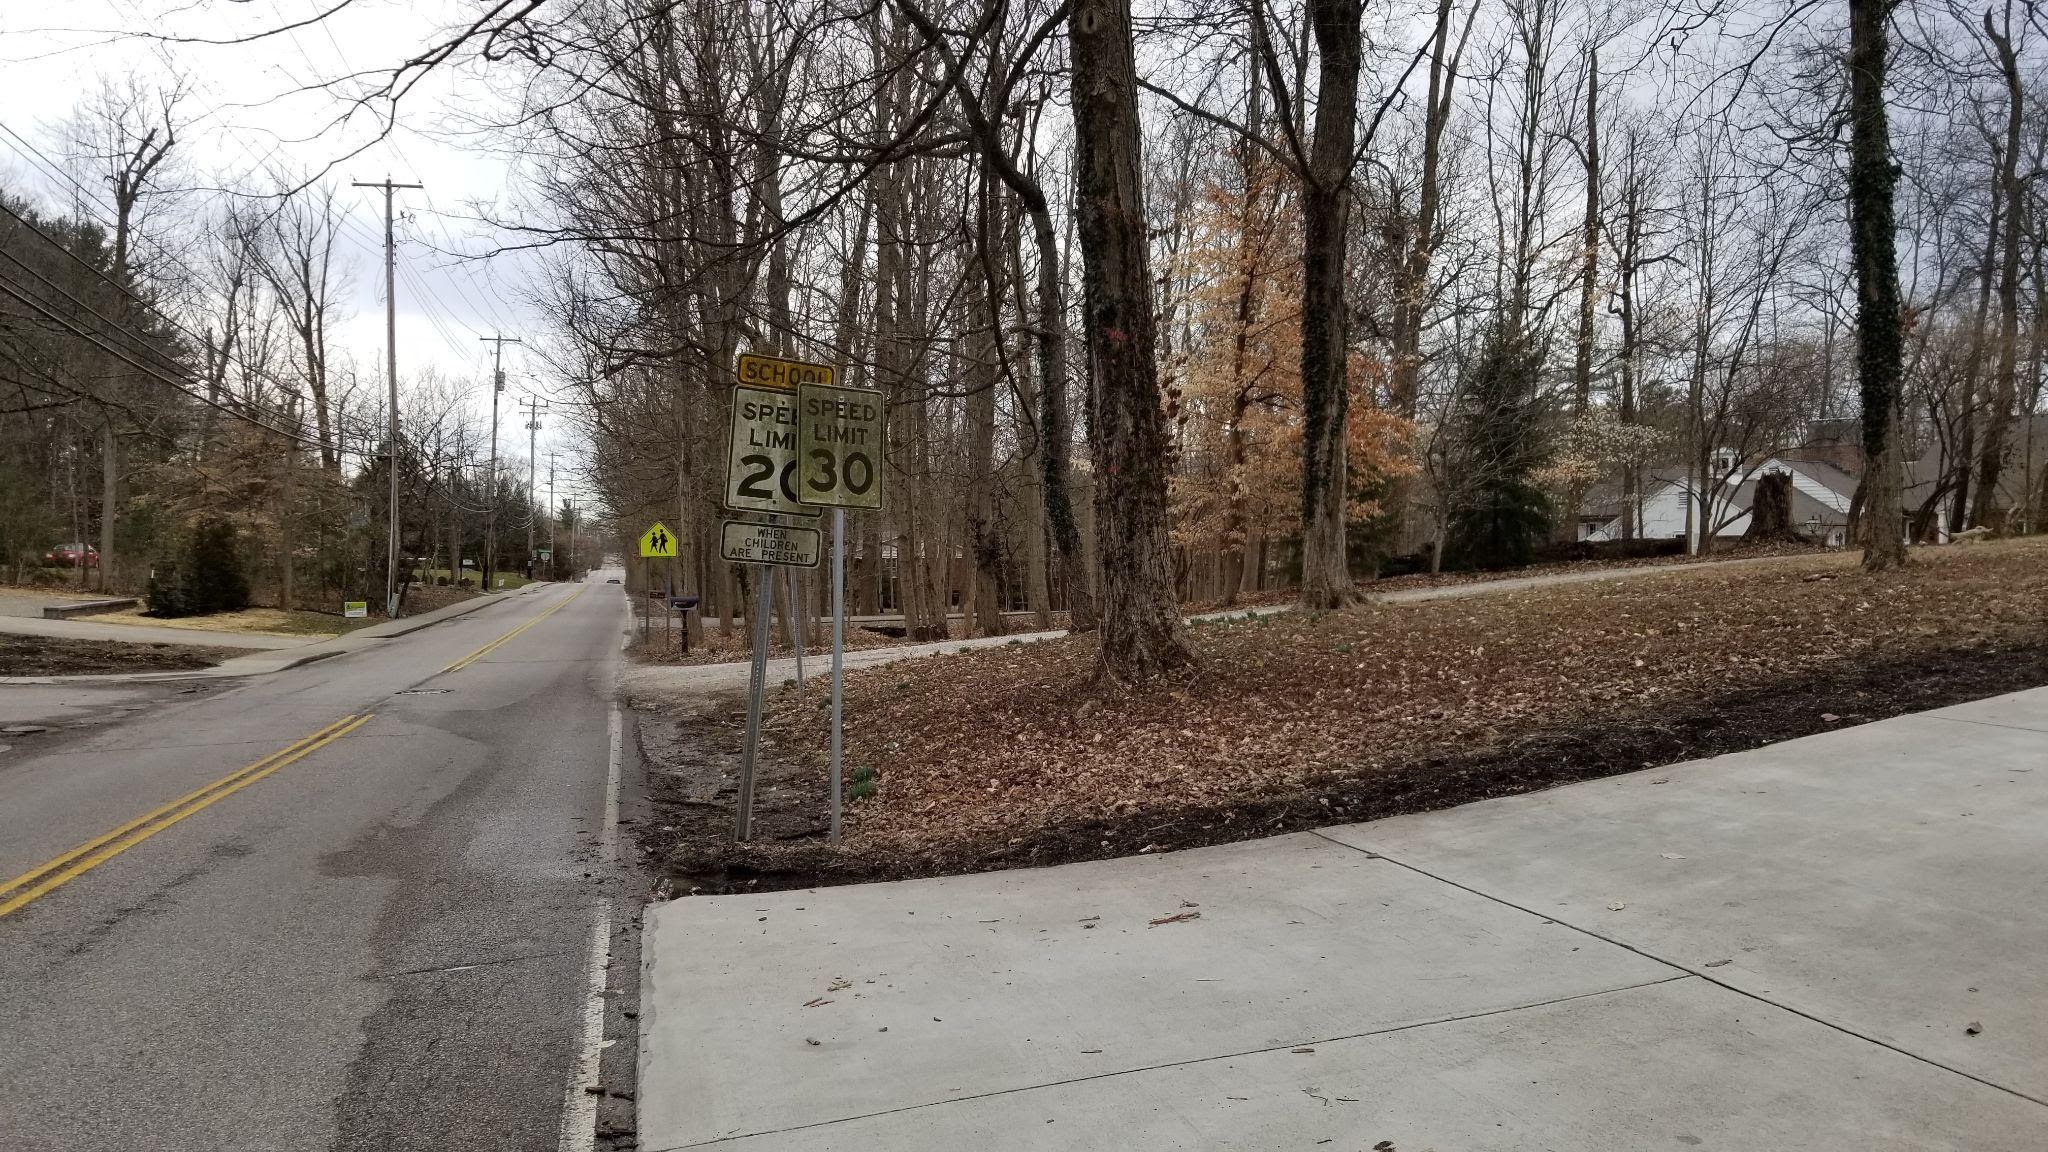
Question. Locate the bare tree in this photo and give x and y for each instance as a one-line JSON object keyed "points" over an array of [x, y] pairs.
{"points": [[1142, 631]]}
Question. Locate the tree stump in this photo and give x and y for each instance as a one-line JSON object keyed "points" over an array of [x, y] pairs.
{"points": [[1770, 510]]}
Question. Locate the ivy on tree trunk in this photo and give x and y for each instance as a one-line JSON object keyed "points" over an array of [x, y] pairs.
{"points": [[1325, 367], [1139, 616], [1880, 330]]}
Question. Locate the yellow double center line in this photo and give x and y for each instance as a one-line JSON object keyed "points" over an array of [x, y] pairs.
{"points": [[47, 877], [494, 645]]}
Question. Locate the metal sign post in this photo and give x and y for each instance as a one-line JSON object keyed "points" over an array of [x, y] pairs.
{"points": [[842, 435], [799, 443], [764, 592], [838, 651], [760, 476], [657, 541], [796, 632]]}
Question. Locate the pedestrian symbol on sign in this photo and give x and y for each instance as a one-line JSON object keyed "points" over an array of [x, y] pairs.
{"points": [[658, 541]]}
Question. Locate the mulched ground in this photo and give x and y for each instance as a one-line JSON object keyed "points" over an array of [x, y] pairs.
{"points": [[1008, 757], [421, 599], [41, 656]]}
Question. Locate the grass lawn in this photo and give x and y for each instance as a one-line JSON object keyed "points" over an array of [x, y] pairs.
{"points": [[510, 580], [259, 621], [55, 593], [1011, 756]]}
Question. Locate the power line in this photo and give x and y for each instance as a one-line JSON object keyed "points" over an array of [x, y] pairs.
{"points": [[9, 287], [339, 416]]}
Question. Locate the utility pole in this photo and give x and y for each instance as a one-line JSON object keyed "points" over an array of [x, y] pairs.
{"points": [[491, 494], [391, 382], [551, 505], [533, 408]]}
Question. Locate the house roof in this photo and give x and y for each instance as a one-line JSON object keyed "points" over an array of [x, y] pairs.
{"points": [[1820, 491]]}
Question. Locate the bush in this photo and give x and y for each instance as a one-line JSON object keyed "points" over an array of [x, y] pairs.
{"points": [[165, 593], [208, 579]]}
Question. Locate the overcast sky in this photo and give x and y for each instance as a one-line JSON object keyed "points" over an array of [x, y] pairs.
{"points": [[251, 112]]}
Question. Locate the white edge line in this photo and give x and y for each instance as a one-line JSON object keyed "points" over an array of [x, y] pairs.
{"points": [[579, 1104]]}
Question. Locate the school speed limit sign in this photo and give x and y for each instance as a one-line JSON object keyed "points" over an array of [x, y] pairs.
{"points": [[761, 457], [842, 435]]}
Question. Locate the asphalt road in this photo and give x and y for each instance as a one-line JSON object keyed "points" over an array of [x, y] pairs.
{"points": [[384, 943]]}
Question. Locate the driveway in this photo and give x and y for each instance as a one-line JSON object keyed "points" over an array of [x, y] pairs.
{"points": [[1831, 943]]}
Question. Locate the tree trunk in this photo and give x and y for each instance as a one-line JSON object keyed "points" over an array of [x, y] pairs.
{"points": [[1589, 255], [285, 532], [1031, 436], [1141, 627], [1566, 527], [1421, 247], [110, 494], [1991, 461], [1055, 424], [1627, 263], [1963, 455], [1879, 329], [1325, 337], [984, 539]]}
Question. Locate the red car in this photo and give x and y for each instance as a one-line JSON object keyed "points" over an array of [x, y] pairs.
{"points": [[72, 555]]}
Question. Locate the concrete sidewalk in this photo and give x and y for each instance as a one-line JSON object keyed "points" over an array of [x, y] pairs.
{"points": [[1832, 943]]}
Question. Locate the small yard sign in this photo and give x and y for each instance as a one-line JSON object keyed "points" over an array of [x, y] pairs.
{"points": [[355, 609]]}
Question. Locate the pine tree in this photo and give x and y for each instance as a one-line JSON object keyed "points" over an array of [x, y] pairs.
{"points": [[1499, 513]]}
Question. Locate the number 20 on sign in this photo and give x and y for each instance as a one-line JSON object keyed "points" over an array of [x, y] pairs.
{"points": [[761, 460]]}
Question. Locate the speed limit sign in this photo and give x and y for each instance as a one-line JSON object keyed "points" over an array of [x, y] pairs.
{"points": [[761, 457], [842, 437]]}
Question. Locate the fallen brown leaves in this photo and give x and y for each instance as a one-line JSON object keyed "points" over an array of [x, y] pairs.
{"points": [[1011, 755], [42, 656]]}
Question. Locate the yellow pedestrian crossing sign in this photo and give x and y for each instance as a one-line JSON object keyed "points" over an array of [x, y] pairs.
{"points": [[658, 541]]}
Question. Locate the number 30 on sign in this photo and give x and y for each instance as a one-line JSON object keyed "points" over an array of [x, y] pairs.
{"points": [[842, 436]]}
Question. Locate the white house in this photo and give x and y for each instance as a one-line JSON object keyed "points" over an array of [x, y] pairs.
{"points": [[1820, 502]]}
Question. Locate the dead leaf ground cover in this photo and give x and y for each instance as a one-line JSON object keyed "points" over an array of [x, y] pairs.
{"points": [[44, 656], [1010, 756]]}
